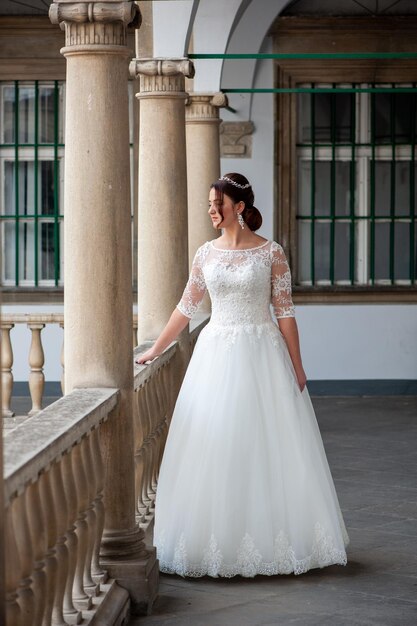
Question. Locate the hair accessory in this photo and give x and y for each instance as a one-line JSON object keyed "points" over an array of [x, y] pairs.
{"points": [[241, 221], [233, 182]]}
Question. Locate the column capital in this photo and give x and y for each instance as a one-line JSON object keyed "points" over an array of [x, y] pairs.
{"points": [[94, 23], [162, 77], [204, 107]]}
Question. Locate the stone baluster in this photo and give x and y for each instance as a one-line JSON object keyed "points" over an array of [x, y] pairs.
{"points": [[36, 363], [6, 369], [98, 573], [147, 390], [51, 566], [155, 419], [24, 555], [80, 597], [203, 165], [140, 408], [166, 384], [162, 394], [153, 404], [165, 416], [61, 549], [155, 416], [98, 313], [71, 614], [90, 587], [135, 334], [38, 535], [13, 570], [161, 425]]}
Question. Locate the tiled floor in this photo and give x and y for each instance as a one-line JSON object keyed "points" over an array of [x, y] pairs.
{"points": [[371, 445]]}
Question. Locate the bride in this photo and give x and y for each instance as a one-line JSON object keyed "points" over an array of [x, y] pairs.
{"points": [[244, 485]]}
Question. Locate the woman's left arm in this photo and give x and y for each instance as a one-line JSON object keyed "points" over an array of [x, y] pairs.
{"points": [[289, 329], [281, 300]]}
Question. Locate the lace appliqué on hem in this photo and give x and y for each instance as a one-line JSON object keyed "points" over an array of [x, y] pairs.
{"points": [[249, 561]]}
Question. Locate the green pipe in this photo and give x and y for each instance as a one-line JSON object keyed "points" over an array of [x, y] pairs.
{"points": [[346, 218], [29, 216], [347, 145], [309, 55], [323, 90]]}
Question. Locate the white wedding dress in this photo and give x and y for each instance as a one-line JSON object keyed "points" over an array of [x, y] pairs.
{"points": [[244, 485]]}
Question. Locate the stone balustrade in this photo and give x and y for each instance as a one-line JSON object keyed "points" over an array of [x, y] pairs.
{"points": [[54, 480], [36, 357], [156, 388], [54, 516]]}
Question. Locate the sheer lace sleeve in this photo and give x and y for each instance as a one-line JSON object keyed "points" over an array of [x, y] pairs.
{"points": [[281, 283], [196, 286]]}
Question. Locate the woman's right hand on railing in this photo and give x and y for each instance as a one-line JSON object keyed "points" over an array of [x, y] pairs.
{"points": [[176, 324], [147, 356]]}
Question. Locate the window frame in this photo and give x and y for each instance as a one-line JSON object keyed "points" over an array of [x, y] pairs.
{"points": [[35, 152], [33, 52], [363, 151], [306, 35]]}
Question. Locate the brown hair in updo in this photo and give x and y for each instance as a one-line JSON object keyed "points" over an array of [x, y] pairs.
{"points": [[250, 213]]}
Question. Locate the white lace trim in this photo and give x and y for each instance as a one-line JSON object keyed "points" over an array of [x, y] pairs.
{"points": [[237, 249], [249, 561], [241, 283]]}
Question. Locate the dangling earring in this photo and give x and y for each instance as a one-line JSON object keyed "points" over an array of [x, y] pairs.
{"points": [[241, 221]]}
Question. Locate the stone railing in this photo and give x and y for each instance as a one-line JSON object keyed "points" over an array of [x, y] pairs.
{"points": [[36, 357], [54, 516], [156, 388], [53, 491]]}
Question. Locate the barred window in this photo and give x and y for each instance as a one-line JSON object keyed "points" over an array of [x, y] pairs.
{"points": [[32, 181], [31, 158], [356, 186]]}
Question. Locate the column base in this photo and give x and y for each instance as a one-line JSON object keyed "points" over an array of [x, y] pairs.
{"points": [[135, 568], [139, 576]]}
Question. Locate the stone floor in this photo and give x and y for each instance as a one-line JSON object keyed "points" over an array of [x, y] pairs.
{"points": [[371, 445], [20, 406]]}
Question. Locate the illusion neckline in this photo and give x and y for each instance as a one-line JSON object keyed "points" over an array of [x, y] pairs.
{"points": [[238, 249]]}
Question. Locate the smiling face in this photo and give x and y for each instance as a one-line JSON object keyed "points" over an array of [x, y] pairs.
{"points": [[223, 212]]}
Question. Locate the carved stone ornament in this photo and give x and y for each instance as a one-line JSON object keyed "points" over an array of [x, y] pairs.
{"points": [[161, 77], [236, 139], [204, 107], [94, 23]]}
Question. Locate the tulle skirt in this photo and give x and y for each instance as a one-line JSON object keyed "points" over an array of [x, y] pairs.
{"points": [[244, 485]]}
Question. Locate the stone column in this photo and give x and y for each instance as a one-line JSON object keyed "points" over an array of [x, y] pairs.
{"points": [[203, 163], [98, 272], [162, 218]]}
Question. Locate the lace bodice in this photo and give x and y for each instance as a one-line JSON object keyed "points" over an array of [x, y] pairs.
{"points": [[242, 284]]}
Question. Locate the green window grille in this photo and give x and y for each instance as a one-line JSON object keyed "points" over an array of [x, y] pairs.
{"points": [[32, 169], [31, 156], [356, 186]]}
